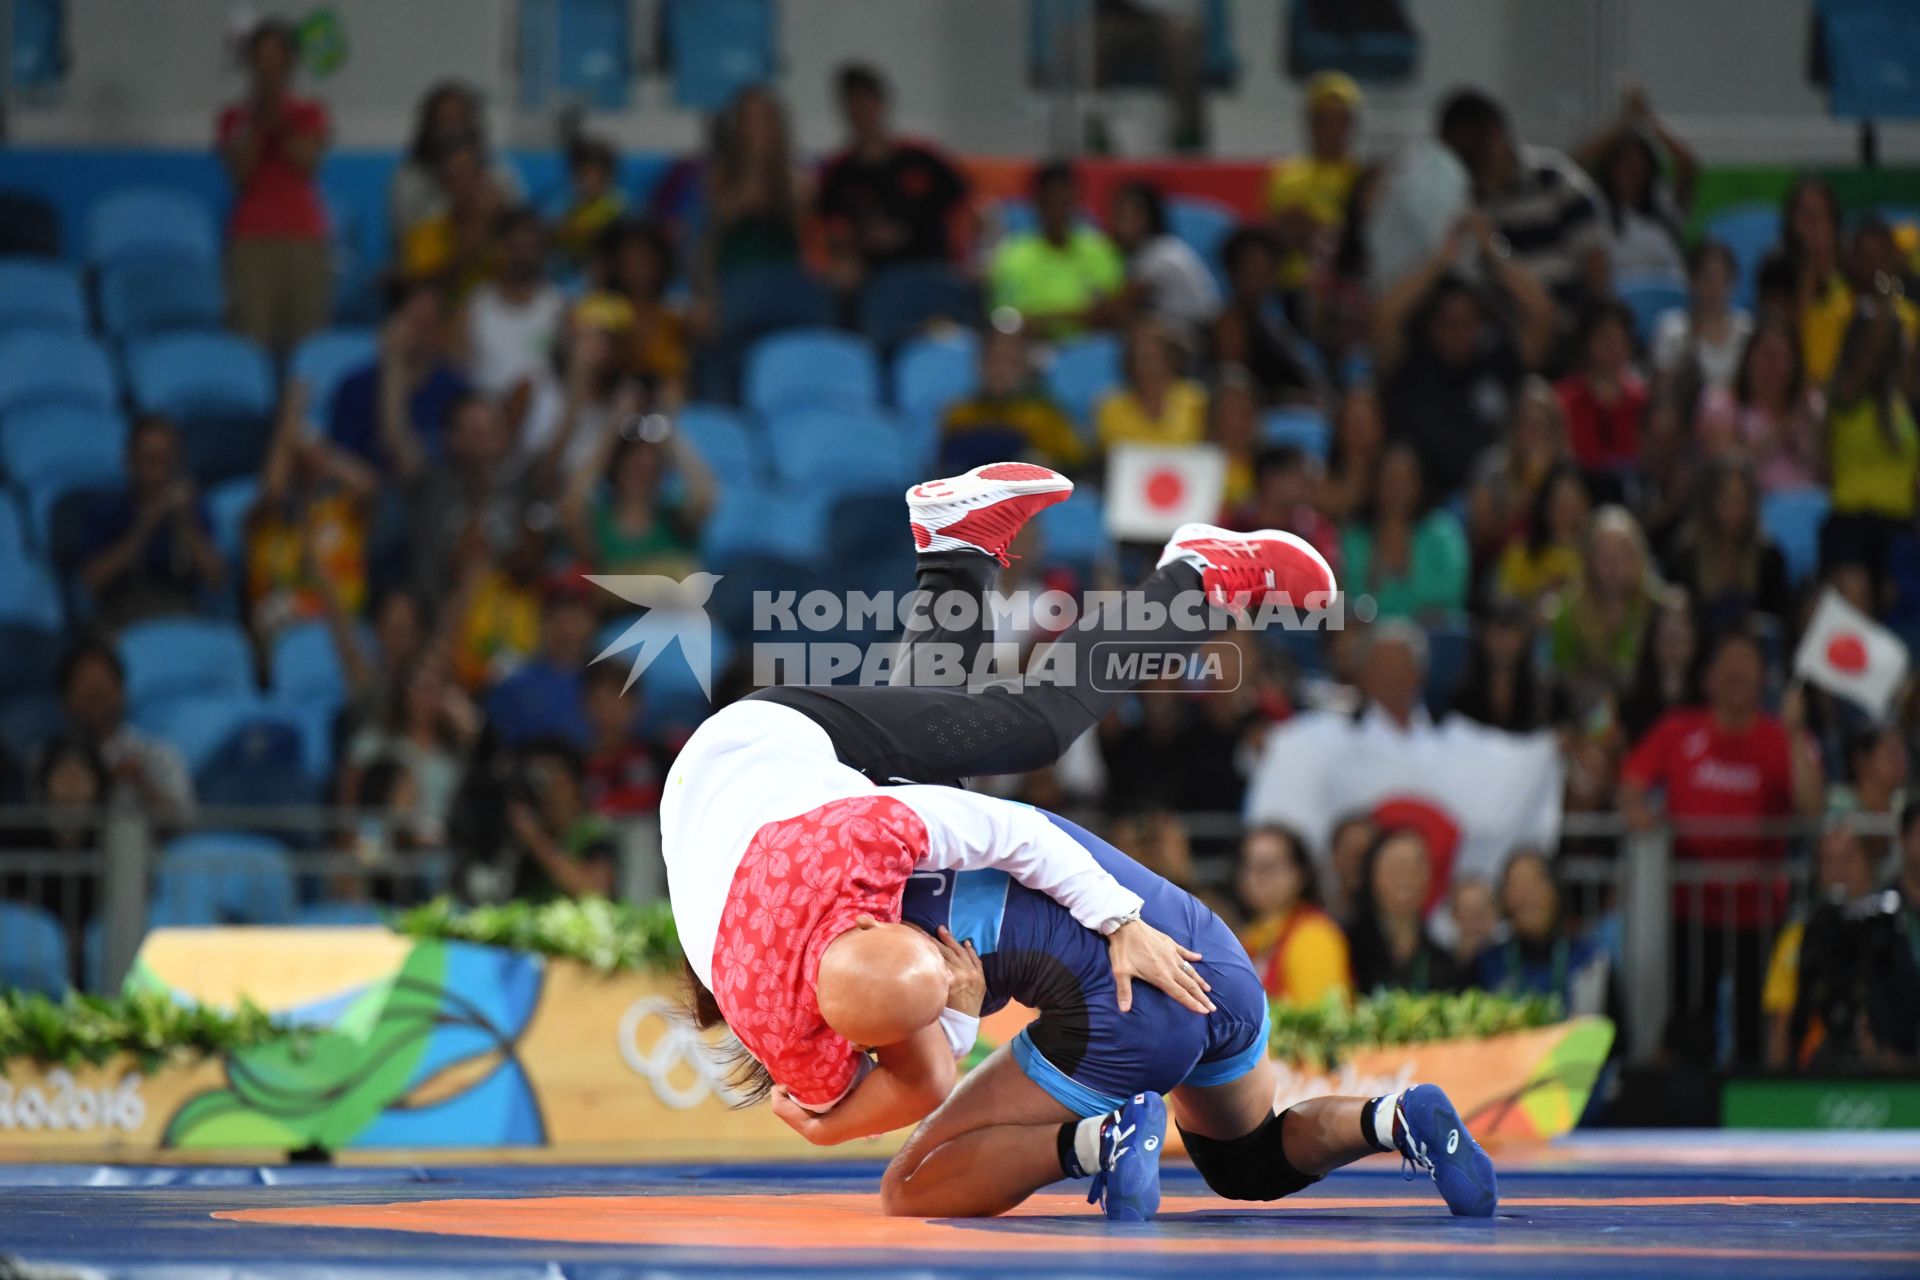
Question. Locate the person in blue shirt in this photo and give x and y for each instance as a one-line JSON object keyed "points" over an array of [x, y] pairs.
{"points": [[542, 698], [393, 411], [1539, 957], [149, 549]]}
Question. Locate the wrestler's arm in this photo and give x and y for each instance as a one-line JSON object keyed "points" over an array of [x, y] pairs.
{"points": [[968, 831], [910, 1079]]}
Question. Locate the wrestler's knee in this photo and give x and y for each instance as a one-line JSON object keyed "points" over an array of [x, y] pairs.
{"points": [[1253, 1166]]}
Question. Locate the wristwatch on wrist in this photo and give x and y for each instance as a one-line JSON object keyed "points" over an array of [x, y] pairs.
{"points": [[1112, 926]]}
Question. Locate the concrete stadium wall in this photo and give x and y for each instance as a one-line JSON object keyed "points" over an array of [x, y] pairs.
{"points": [[1728, 73]]}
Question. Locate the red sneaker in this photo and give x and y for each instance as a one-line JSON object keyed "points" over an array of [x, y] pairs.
{"points": [[1240, 570], [983, 509]]}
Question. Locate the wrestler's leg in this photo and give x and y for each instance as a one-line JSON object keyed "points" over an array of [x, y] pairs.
{"points": [[946, 734], [947, 624], [1246, 1152], [992, 1143]]}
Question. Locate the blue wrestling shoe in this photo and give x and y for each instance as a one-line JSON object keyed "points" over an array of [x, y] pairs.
{"points": [[1433, 1138], [1127, 1186]]}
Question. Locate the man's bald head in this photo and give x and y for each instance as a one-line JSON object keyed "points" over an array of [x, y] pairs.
{"points": [[880, 983]]}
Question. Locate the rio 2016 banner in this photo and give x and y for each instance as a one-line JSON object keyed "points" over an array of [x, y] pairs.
{"points": [[422, 1045]]}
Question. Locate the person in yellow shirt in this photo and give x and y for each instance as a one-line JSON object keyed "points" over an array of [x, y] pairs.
{"points": [[306, 535], [1299, 952], [1873, 449], [1156, 405], [1549, 558], [1307, 195], [461, 244]]}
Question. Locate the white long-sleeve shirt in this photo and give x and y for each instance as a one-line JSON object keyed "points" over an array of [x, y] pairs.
{"points": [[773, 847]]}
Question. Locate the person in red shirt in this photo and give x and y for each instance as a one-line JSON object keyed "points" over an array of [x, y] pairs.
{"points": [[1604, 398], [1732, 765], [279, 257]]}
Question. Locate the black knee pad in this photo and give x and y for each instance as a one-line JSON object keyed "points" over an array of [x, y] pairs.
{"points": [[1251, 1167]]}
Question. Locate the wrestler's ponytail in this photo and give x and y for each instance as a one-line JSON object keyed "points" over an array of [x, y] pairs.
{"points": [[748, 1081]]}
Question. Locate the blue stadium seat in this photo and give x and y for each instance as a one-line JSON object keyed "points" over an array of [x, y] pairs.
{"points": [[307, 684], [930, 374], [325, 359], [1649, 300], [45, 440], [1751, 231], [901, 302], [305, 666], [41, 51], [1792, 518], [199, 724], [172, 658], [39, 368], [33, 950], [832, 452], [141, 296], [759, 575], [223, 878], [184, 375], [814, 368], [28, 596], [577, 48], [758, 522], [1084, 370], [151, 222], [669, 688], [1074, 532], [1204, 225], [1304, 429], [717, 48], [723, 440], [218, 388], [227, 506], [257, 761], [757, 300], [29, 719], [64, 494], [37, 294], [14, 543]]}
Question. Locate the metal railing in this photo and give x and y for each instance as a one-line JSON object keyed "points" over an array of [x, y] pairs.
{"points": [[1684, 959]]}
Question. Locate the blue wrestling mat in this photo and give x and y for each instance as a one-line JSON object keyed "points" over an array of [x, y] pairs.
{"points": [[1606, 1205]]}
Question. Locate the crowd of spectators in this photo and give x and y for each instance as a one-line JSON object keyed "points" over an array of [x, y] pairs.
{"points": [[1513, 455]]}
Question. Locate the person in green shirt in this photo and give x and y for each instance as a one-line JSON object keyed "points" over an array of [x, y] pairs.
{"points": [[1059, 277], [1414, 565]]}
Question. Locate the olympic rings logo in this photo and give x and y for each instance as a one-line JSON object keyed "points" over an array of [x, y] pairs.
{"points": [[673, 1057]]}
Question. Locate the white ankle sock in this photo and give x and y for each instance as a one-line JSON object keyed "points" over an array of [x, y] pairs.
{"points": [[1086, 1142], [1383, 1121]]}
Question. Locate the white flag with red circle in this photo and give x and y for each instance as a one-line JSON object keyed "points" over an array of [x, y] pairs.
{"points": [[1153, 490], [1847, 653], [1475, 793]]}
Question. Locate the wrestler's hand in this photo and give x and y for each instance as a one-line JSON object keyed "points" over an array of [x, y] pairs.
{"points": [[807, 1124], [967, 989], [1138, 950]]}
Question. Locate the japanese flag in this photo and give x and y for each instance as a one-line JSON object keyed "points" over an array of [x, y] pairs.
{"points": [[1153, 490], [1848, 653]]}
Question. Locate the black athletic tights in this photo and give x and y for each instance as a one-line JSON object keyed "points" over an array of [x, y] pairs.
{"points": [[916, 730]]}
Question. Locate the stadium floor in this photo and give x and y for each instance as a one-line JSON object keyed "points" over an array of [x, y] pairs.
{"points": [[1601, 1205]]}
